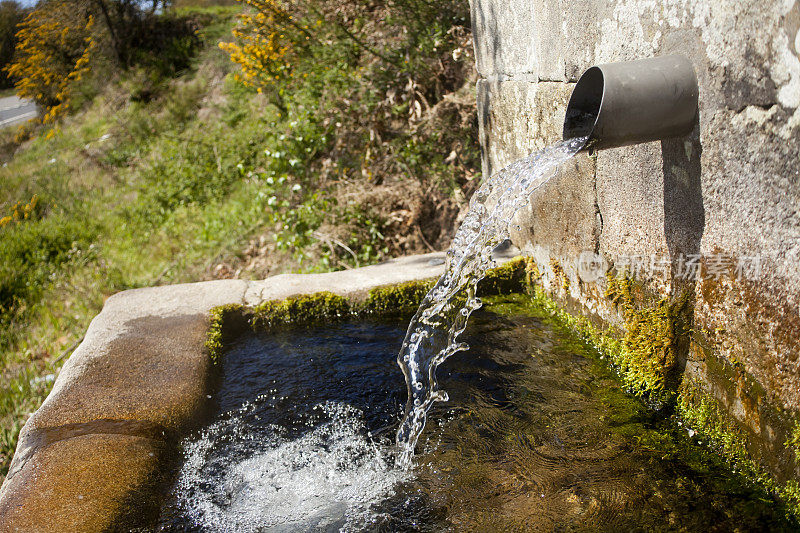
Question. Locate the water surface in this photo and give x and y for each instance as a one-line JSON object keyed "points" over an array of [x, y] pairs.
{"points": [[537, 436]]}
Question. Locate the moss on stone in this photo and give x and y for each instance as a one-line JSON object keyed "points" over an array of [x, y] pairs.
{"points": [[652, 337], [406, 297], [794, 439], [603, 340], [217, 318], [532, 272], [558, 274], [790, 493], [300, 310], [505, 279], [618, 290], [394, 299], [698, 411], [325, 306], [791, 489], [702, 413], [645, 351]]}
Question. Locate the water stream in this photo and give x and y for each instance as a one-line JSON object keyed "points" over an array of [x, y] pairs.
{"points": [[432, 335]]}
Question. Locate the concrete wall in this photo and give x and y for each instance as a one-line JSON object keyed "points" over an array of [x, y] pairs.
{"points": [[729, 192]]}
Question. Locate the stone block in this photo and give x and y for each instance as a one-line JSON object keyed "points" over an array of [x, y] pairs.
{"points": [[82, 483], [516, 118]]}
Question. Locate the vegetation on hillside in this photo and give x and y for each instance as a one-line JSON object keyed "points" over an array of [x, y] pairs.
{"points": [[355, 140], [61, 41], [11, 15]]}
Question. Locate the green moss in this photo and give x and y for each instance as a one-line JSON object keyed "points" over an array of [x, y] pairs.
{"points": [[532, 272], [390, 299], [666, 322], [395, 299], [505, 279], [790, 493], [305, 309], [604, 341], [651, 339], [295, 310], [651, 342], [406, 297], [794, 440], [645, 352], [515, 304], [214, 337], [704, 415], [618, 290]]}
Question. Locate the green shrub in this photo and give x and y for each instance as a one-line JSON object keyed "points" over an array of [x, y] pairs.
{"points": [[30, 252]]}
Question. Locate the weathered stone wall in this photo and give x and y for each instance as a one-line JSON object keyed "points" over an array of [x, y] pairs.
{"points": [[728, 194]]}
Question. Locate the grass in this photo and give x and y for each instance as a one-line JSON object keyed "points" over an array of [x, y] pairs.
{"points": [[166, 179]]}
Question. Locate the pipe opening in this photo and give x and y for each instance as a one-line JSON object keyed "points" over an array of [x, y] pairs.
{"points": [[584, 104]]}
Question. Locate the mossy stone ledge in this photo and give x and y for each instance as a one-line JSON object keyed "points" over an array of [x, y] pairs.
{"points": [[400, 299]]}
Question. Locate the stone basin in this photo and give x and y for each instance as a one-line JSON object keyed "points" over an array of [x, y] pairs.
{"points": [[96, 451]]}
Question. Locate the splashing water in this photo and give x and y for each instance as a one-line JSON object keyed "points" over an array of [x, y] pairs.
{"points": [[432, 335], [325, 480]]}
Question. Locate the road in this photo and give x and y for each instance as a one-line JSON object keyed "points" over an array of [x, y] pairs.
{"points": [[14, 110]]}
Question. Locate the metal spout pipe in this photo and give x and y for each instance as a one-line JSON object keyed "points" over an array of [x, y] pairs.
{"points": [[631, 102]]}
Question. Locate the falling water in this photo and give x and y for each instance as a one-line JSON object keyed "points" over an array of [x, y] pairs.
{"points": [[432, 335]]}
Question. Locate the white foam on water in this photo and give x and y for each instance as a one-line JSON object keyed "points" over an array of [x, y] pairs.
{"points": [[325, 480]]}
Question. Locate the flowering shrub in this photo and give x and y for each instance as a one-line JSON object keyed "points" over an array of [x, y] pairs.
{"points": [[11, 14], [54, 46], [267, 40], [20, 212], [61, 41]]}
